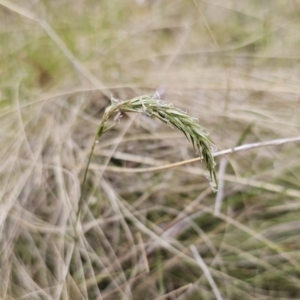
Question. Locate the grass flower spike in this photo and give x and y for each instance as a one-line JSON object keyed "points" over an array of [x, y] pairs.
{"points": [[172, 116], [152, 106], [167, 113]]}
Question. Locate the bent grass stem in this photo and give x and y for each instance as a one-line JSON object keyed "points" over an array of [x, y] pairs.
{"points": [[168, 114]]}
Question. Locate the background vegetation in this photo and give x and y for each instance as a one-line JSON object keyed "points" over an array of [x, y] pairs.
{"points": [[232, 64]]}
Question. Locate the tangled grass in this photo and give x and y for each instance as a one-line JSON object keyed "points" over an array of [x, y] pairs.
{"points": [[143, 233]]}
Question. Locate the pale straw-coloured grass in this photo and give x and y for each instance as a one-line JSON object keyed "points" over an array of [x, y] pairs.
{"points": [[234, 68]]}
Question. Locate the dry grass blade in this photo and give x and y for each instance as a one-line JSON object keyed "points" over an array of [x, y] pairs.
{"points": [[206, 272]]}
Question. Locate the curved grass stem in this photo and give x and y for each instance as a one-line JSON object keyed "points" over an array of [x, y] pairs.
{"points": [[169, 115]]}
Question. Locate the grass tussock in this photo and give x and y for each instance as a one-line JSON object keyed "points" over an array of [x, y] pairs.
{"points": [[147, 231]]}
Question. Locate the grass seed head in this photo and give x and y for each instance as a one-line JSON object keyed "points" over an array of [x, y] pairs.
{"points": [[173, 117]]}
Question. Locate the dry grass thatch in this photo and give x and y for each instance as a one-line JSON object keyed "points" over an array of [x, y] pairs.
{"points": [[148, 231]]}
